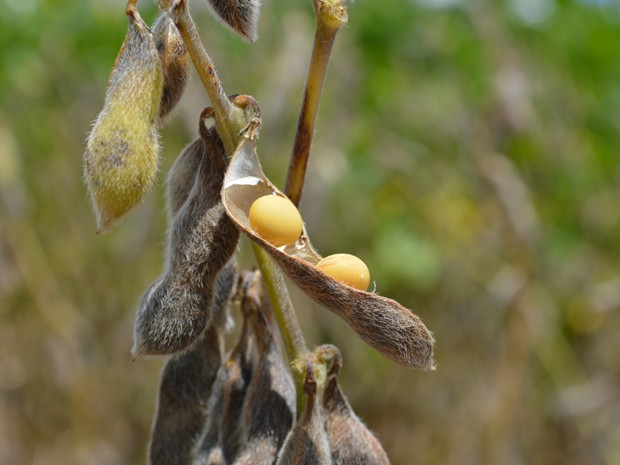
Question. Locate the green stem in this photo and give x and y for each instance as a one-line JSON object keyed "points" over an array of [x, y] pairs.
{"points": [[331, 15], [283, 310], [229, 119]]}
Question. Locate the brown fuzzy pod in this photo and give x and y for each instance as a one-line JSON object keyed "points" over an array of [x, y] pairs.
{"points": [[381, 322], [184, 389], [269, 407], [176, 64], [221, 433], [241, 16], [350, 441], [175, 310], [186, 382], [307, 443], [181, 176], [120, 161]]}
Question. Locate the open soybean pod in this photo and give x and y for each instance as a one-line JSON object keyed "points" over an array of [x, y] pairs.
{"points": [[175, 309], [176, 64], [307, 443], [121, 154], [240, 15], [350, 441], [381, 322], [221, 431], [269, 407]]}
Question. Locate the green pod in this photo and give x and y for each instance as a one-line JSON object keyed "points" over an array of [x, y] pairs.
{"points": [[121, 154]]}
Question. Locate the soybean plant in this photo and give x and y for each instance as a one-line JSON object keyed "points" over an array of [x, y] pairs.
{"points": [[256, 403]]}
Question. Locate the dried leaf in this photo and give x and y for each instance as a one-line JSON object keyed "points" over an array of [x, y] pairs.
{"points": [[269, 406], [121, 154], [240, 15], [383, 323], [307, 443], [175, 309], [350, 441], [176, 64]]}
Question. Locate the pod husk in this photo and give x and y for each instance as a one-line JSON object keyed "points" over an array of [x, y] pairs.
{"points": [[307, 443], [383, 323], [241, 16], [176, 64], [176, 308], [122, 149], [269, 407], [350, 441], [221, 432]]}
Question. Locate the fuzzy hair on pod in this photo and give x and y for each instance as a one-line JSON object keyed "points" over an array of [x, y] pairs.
{"points": [[241, 16], [350, 441], [175, 309], [269, 407], [121, 156], [186, 383], [220, 432], [184, 389], [181, 176], [307, 443], [176, 64]]}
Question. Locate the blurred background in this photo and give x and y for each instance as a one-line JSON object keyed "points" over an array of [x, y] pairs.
{"points": [[468, 151]]}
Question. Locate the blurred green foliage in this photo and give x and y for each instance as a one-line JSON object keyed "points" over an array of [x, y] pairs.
{"points": [[467, 150]]}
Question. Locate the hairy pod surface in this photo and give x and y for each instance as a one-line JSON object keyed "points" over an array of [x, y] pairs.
{"points": [[383, 323], [221, 430], [350, 441], [307, 443], [241, 16], [181, 176], [175, 310], [176, 64], [121, 154], [187, 380], [269, 407], [184, 390]]}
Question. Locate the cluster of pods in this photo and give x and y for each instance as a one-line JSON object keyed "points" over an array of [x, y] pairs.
{"points": [[236, 407]]}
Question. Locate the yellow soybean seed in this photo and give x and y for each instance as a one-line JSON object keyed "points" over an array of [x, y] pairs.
{"points": [[276, 220], [347, 269]]}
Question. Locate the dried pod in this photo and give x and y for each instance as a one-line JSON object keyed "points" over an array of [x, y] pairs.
{"points": [[181, 176], [185, 386], [383, 323], [307, 443], [269, 407], [350, 441], [121, 154], [240, 15], [176, 64], [186, 382], [175, 309], [221, 430], [225, 287]]}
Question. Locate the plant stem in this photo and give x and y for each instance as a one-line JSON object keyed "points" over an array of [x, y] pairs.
{"points": [[229, 119], [283, 310], [331, 15]]}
